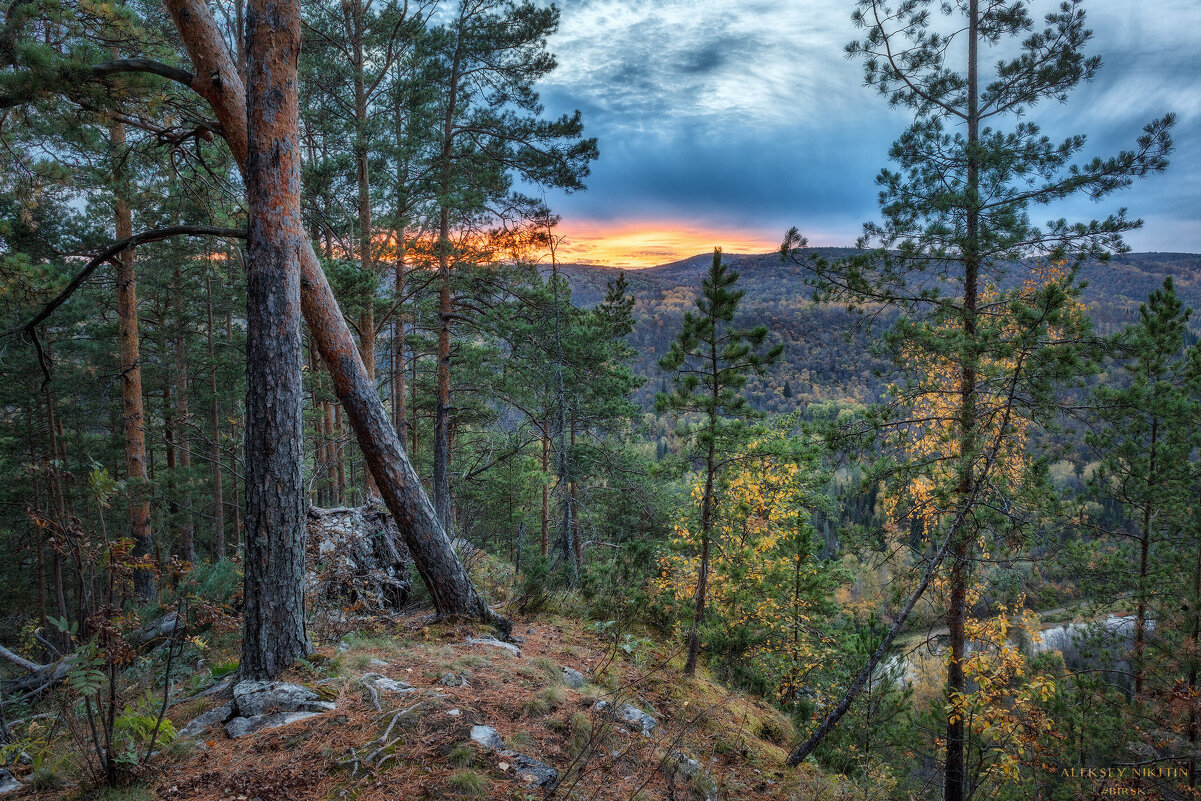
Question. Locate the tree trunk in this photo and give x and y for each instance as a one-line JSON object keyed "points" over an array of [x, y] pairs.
{"points": [[567, 538], [1144, 553], [702, 576], [575, 510], [442, 410], [955, 779], [169, 443], [327, 412], [363, 172], [545, 541], [273, 634], [449, 585], [1194, 714], [132, 415], [339, 457], [187, 543], [54, 466], [442, 503], [215, 423]]}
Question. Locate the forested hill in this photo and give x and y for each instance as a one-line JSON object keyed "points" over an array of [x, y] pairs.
{"points": [[826, 355]]}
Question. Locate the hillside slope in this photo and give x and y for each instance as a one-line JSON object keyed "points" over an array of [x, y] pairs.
{"points": [[827, 349], [706, 742]]}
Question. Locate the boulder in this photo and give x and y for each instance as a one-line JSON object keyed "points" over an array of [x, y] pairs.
{"points": [[269, 697], [261, 705], [198, 726], [528, 769], [631, 715], [453, 680], [385, 684], [240, 727], [8, 782], [488, 737], [531, 771], [495, 643], [573, 678], [356, 556]]}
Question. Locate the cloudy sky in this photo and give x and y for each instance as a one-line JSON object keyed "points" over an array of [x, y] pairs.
{"points": [[724, 122]]}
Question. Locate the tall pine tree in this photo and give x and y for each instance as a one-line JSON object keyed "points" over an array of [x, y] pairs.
{"points": [[710, 361]]}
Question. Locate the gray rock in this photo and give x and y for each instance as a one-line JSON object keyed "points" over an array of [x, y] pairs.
{"points": [[240, 727], [531, 771], [488, 737], [385, 684], [8, 782], [681, 766], [631, 715], [528, 769], [164, 626], [252, 698], [573, 678], [200, 725], [377, 663], [357, 553], [495, 643], [453, 680]]}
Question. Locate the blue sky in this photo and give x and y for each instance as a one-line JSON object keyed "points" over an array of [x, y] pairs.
{"points": [[744, 118]]}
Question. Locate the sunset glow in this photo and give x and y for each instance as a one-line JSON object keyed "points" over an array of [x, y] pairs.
{"points": [[647, 243]]}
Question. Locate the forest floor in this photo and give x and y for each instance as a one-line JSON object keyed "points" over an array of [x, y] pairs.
{"points": [[708, 742]]}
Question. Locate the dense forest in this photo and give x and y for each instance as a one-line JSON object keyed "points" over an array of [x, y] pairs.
{"points": [[325, 477]]}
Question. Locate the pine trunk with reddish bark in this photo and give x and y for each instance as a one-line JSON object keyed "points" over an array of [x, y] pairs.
{"points": [[450, 586], [273, 632], [132, 414]]}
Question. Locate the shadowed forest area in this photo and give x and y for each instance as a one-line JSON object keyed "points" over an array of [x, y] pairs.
{"points": [[324, 476]]}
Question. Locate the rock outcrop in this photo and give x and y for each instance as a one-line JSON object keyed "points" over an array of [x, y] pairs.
{"points": [[631, 715], [527, 769], [261, 705], [356, 556]]}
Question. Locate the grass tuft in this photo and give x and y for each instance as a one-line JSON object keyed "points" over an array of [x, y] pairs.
{"points": [[469, 783]]}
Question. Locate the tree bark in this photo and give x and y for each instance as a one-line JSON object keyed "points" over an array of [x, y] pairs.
{"points": [[545, 540], [187, 543], [1144, 553], [442, 503], [955, 778], [450, 586], [702, 576], [339, 456], [132, 414], [273, 633], [215, 423], [354, 25]]}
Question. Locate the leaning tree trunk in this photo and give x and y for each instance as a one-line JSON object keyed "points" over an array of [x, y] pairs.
{"points": [[450, 586], [273, 619]]}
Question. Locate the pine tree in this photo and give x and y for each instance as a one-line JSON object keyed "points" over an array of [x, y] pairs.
{"points": [[1145, 439], [710, 361], [955, 212], [492, 131], [273, 624]]}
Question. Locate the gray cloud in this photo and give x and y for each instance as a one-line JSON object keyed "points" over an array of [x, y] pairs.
{"points": [[748, 114]]}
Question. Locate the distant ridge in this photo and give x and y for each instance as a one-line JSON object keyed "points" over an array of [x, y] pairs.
{"points": [[1125, 280], [827, 354]]}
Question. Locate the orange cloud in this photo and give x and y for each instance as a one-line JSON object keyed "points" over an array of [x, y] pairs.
{"points": [[647, 243]]}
